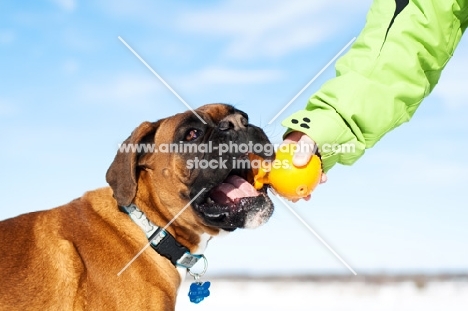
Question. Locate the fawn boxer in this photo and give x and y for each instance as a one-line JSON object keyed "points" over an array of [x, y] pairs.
{"points": [[71, 257]]}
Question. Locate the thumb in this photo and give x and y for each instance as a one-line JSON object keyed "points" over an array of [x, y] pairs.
{"points": [[306, 148], [301, 159]]}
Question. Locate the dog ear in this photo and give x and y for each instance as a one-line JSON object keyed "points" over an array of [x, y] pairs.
{"points": [[122, 173]]}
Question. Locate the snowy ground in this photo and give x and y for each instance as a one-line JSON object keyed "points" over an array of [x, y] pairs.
{"points": [[330, 295]]}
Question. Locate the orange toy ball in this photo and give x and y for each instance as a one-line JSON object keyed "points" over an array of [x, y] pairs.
{"points": [[287, 180]]}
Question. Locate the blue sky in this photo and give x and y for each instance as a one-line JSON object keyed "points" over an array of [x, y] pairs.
{"points": [[71, 91]]}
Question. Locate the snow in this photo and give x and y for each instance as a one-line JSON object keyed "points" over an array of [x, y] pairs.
{"points": [[293, 295]]}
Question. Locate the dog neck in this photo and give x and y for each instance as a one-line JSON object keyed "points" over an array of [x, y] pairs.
{"points": [[202, 245], [165, 244]]}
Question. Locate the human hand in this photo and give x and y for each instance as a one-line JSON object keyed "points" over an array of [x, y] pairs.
{"points": [[303, 155]]}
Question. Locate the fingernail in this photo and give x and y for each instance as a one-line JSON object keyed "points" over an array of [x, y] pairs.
{"points": [[300, 159]]}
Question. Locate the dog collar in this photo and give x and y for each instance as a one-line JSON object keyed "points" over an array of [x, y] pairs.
{"points": [[161, 240]]}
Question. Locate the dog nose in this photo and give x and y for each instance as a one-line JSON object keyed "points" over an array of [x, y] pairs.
{"points": [[233, 122]]}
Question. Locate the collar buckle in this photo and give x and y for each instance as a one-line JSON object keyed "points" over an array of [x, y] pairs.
{"points": [[161, 240]]}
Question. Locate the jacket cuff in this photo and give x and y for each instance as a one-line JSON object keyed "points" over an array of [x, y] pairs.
{"points": [[334, 139]]}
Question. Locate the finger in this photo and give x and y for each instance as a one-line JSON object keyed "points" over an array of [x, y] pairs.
{"points": [[306, 198], [293, 137], [301, 159], [323, 178], [306, 150]]}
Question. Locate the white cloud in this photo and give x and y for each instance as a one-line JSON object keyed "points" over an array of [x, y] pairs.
{"points": [[66, 5], [6, 108], [250, 29], [215, 76], [122, 89], [70, 66], [266, 28], [143, 11], [452, 85], [451, 88], [7, 37], [424, 169], [80, 39]]}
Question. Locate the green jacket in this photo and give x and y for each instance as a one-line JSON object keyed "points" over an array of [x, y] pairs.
{"points": [[393, 65]]}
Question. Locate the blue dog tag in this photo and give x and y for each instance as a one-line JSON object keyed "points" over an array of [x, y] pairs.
{"points": [[198, 291]]}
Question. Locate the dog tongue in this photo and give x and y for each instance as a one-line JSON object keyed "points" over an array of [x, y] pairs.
{"points": [[234, 187]]}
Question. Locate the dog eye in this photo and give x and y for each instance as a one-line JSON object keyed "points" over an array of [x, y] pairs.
{"points": [[192, 134]]}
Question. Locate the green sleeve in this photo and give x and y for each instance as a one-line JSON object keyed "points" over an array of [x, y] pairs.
{"points": [[395, 62]]}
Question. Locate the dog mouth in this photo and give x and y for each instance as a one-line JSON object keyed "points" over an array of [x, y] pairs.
{"points": [[235, 203]]}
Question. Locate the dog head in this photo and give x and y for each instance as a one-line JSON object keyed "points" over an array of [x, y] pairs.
{"points": [[199, 158]]}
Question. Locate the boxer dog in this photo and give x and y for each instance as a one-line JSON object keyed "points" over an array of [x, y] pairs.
{"points": [[72, 257]]}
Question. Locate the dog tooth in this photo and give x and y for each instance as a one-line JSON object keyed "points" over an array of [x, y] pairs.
{"points": [[213, 215]]}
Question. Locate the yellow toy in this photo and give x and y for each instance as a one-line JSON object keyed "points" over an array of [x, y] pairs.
{"points": [[287, 180]]}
